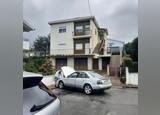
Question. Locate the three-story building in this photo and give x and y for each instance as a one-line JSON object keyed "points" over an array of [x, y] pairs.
{"points": [[79, 43]]}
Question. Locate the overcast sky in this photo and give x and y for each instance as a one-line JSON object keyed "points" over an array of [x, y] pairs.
{"points": [[120, 17]]}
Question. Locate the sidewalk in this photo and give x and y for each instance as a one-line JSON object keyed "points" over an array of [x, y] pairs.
{"points": [[116, 83]]}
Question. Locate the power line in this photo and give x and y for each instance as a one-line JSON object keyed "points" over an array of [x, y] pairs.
{"points": [[89, 6]]}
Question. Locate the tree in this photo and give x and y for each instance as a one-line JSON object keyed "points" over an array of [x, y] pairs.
{"points": [[42, 45], [47, 67], [132, 49]]}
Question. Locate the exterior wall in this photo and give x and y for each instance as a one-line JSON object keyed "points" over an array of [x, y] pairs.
{"points": [[106, 43], [115, 61], [90, 63], [53, 62], [62, 43], [100, 64], [94, 35], [26, 45], [70, 62]]}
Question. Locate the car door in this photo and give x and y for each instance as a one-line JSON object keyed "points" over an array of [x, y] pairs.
{"points": [[71, 80], [81, 79]]}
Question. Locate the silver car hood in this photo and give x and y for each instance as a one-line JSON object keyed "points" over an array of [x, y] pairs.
{"points": [[67, 70]]}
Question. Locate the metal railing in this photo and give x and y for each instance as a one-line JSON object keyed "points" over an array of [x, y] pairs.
{"points": [[86, 51], [82, 33]]}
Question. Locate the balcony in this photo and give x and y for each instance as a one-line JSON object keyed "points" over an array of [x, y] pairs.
{"points": [[82, 33], [67, 52]]}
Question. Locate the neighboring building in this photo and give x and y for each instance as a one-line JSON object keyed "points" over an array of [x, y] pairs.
{"points": [[115, 47], [79, 43], [27, 27], [26, 44]]}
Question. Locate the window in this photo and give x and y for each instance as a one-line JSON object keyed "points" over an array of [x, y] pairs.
{"points": [[36, 98], [87, 29], [73, 75], [62, 29], [82, 75], [79, 46], [79, 28]]}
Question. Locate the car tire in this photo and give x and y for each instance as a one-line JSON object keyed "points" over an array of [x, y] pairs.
{"points": [[61, 85], [87, 89]]}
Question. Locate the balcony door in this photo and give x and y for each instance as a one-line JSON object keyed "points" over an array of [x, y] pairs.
{"points": [[81, 46], [82, 28]]}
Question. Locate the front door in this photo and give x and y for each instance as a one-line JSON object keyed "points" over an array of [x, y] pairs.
{"points": [[71, 80]]}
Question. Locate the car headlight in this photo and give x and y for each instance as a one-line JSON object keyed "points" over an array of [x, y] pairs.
{"points": [[99, 82]]}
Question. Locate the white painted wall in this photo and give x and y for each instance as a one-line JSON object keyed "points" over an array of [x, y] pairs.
{"points": [[26, 45], [70, 62], [131, 78], [90, 63], [94, 35], [57, 39], [100, 63]]}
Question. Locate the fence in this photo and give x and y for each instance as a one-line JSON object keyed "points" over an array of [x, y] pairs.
{"points": [[131, 78]]}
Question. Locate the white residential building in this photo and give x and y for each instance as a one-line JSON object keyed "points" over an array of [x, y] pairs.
{"points": [[79, 43], [26, 44]]}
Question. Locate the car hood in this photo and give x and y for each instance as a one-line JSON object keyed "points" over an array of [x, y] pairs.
{"points": [[67, 70]]}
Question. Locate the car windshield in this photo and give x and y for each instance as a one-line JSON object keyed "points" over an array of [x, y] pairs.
{"points": [[95, 75]]}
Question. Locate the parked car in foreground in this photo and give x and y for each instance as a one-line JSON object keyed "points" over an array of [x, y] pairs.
{"points": [[37, 98], [86, 80]]}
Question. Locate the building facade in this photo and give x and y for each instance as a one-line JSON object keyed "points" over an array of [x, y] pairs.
{"points": [[79, 43], [26, 44]]}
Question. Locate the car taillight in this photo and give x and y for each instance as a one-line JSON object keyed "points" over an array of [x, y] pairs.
{"points": [[99, 82]]}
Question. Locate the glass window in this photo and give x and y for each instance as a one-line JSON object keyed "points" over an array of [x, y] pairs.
{"points": [[73, 75], [62, 29], [36, 98], [79, 46], [87, 27], [83, 75], [79, 28]]}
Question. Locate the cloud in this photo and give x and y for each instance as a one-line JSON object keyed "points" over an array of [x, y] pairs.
{"points": [[119, 16]]}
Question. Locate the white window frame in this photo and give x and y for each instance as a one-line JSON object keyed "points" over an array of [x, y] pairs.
{"points": [[62, 29]]}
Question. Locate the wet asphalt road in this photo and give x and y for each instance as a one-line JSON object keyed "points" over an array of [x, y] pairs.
{"points": [[111, 102]]}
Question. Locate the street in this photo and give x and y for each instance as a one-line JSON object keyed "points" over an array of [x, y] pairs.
{"points": [[115, 101]]}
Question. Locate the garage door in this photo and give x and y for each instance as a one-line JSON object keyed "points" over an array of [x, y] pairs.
{"points": [[80, 63], [60, 62]]}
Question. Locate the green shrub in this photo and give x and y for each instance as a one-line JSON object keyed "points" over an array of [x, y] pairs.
{"points": [[47, 67], [33, 64], [127, 62], [132, 66], [30, 67]]}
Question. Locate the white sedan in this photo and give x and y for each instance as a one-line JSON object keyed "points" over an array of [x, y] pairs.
{"points": [[86, 80]]}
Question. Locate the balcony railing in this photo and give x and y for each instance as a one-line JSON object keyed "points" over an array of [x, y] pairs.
{"points": [[82, 33], [86, 51]]}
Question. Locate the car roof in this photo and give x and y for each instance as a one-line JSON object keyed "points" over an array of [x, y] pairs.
{"points": [[84, 71], [31, 74]]}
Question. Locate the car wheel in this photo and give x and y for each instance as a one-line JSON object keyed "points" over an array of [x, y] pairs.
{"points": [[88, 89], [61, 85]]}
